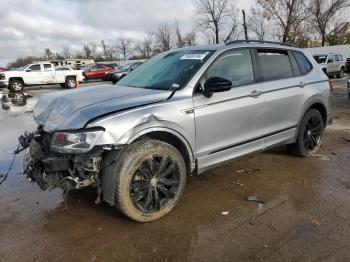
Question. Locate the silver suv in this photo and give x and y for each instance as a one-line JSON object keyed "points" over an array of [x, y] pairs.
{"points": [[183, 111], [332, 64]]}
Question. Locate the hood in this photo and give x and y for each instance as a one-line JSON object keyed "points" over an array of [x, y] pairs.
{"points": [[72, 109]]}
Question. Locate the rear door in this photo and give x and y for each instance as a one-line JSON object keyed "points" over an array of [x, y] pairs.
{"points": [[48, 73], [282, 84], [228, 124]]}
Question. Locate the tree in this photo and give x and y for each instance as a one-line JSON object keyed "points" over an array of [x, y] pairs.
{"points": [[107, 50], [66, 51], [123, 46], [256, 24], [93, 49], [216, 16], [180, 42], [286, 15], [87, 51], [163, 36], [190, 38], [324, 16], [145, 47], [340, 35], [48, 53]]}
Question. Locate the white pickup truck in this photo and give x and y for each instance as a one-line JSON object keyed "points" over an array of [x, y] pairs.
{"points": [[39, 74]]}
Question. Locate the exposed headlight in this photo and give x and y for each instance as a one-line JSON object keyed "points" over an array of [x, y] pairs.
{"points": [[2, 76], [75, 142]]}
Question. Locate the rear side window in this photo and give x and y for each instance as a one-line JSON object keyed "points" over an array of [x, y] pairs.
{"points": [[336, 57], [303, 63], [47, 67], [275, 64]]}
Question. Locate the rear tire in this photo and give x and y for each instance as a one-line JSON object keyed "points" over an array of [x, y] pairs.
{"points": [[341, 73], [71, 82], [16, 85], [309, 135], [151, 177]]}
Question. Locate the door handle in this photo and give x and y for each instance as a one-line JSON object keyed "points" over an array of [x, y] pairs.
{"points": [[255, 94], [301, 85]]}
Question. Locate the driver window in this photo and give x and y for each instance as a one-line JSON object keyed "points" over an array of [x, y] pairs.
{"points": [[35, 68], [233, 65]]}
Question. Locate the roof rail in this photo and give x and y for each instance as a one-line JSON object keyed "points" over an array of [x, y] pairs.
{"points": [[258, 41]]}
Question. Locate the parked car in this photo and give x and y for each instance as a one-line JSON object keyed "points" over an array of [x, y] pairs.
{"points": [[97, 72], [38, 74], [122, 71], [347, 66], [332, 64], [2, 69], [182, 111]]}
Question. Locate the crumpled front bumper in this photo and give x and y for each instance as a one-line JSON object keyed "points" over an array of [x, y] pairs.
{"points": [[53, 170]]}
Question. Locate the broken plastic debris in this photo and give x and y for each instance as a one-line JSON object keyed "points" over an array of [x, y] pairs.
{"points": [[225, 213], [237, 183], [321, 157], [250, 171], [256, 199], [314, 221]]}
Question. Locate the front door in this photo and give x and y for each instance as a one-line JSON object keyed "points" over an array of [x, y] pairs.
{"points": [[228, 124], [33, 75]]}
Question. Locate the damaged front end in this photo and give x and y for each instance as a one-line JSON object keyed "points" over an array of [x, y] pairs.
{"points": [[53, 160]]}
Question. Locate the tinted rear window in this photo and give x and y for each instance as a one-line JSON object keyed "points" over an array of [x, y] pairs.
{"points": [[303, 63], [275, 64]]}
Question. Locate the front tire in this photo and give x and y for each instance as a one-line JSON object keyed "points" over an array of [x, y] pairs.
{"points": [[151, 177], [309, 134], [16, 85]]}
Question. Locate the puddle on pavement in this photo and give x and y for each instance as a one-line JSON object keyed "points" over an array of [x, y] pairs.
{"points": [[16, 103]]}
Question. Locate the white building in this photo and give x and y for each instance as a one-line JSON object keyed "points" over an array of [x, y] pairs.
{"points": [[343, 49]]}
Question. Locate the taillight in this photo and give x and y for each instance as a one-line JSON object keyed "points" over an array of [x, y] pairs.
{"points": [[331, 88]]}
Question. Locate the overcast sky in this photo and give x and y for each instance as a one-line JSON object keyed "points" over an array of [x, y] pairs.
{"points": [[27, 27]]}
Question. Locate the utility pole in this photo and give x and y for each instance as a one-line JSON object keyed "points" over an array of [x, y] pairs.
{"points": [[245, 25]]}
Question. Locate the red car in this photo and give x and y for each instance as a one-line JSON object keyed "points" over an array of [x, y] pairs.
{"points": [[97, 72], [2, 69]]}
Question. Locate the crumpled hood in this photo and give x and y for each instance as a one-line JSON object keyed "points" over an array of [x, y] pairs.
{"points": [[72, 109]]}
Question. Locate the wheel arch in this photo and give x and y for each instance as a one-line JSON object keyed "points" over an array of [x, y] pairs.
{"points": [[16, 78], [167, 135], [317, 104], [171, 137]]}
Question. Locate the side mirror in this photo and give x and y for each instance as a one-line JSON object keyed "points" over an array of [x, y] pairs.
{"points": [[28, 70], [216, 84]]}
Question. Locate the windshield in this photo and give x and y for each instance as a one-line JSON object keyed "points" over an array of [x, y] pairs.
{"points": [[171, 70], [321, 59]]}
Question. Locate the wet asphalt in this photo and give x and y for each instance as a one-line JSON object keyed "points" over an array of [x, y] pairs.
{"points": [[305, 217]]}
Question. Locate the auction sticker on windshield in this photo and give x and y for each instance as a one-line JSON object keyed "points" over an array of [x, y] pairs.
{"points": [[194, 56]]}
